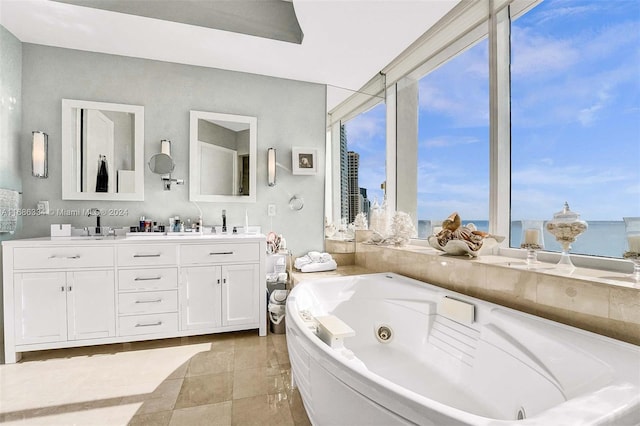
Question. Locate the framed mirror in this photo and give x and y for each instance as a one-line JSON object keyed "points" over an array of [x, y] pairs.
{"points": [[222, 157], [102, 151]]}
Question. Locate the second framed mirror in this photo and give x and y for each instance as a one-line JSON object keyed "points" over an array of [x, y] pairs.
{"points": [[222, 157]]}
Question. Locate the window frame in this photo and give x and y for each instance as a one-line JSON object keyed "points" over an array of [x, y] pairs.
{"points": [[462, 27]]}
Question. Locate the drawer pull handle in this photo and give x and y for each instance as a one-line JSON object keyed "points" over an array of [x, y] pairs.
{"points": [[147, 255], [53, 256], [220, 253], [149, 301], [147, 278], [149, 324]]}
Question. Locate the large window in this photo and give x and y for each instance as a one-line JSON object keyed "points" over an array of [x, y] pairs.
{"points": [[575, 103], [564, 106], [453, 141], [363, 158]]}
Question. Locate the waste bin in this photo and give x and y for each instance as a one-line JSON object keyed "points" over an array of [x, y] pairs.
{"points": [[276, 308]]}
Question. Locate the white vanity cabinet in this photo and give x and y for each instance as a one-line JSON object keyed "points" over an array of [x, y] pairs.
{"points": [[57, 295], [219, 296], [66, 293], [148, 289], [61, 306], [220, 286]]}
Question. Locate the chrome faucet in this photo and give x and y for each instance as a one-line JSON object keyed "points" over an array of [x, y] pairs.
{"points": [[224, 221], [95, 212]]}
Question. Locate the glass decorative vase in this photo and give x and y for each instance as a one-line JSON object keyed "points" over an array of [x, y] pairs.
{"points": [[632, 229], [532, 240], [566, 226]]}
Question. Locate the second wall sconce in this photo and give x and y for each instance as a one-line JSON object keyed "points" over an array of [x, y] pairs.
{"points": [[271, 166], [39, 155]]}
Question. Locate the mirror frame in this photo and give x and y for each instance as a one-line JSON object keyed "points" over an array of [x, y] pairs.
{"points": [[70, 153], [194, 164]]}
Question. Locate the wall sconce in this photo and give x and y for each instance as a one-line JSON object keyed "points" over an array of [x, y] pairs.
{"points": [[165, 147], [39, 162], [271, 166]]}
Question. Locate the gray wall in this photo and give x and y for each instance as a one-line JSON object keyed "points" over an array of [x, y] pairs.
{"points": [[290, 113], [11, 136], [10, 129]]}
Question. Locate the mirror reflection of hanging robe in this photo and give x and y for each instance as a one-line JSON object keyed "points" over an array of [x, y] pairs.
{"points": [[102, 180]]}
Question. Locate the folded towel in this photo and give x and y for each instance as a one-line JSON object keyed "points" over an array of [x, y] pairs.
{"points": [[312, 257], [319, 267], [9, 203], [301, 261], [318, 257]]}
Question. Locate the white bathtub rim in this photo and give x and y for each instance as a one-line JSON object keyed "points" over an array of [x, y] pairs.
{"points": [[338, 362]]}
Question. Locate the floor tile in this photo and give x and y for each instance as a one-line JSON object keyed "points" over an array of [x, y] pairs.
{"points": [[210, 362], [153, 419], [203, 415], [205, 389], [262, 410], [221, 379]]}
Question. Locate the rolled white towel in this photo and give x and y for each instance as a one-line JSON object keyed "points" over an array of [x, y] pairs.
{"points": [[301, 261], [315, 256], [319, 267], [318, 257]]}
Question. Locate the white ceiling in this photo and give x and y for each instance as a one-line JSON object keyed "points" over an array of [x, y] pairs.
{"points": [[346, 42]]}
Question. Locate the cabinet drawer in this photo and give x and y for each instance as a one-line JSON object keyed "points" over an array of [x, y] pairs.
{"points": [[147, 255], [147, 279], [197, 254], [63, 257], [148, 324], [148, 302]]}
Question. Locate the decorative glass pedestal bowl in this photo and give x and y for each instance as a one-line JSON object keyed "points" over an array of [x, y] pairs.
{"points": [[566, 226]]}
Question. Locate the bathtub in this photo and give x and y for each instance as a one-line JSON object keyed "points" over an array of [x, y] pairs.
{"points": [[399, 351]]}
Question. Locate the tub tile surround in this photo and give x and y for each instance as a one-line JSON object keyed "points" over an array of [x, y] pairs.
{"points": [[599, 301]]}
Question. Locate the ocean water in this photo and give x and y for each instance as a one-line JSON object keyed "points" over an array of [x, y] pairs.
{"points": [[602, 238]]}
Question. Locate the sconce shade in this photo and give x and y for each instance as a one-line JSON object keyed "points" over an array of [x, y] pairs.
{"points": [[39, 161], [165, 147], [271, 166]]}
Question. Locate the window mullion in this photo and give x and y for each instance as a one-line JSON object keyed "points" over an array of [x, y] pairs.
{"points": [[500, 127]]}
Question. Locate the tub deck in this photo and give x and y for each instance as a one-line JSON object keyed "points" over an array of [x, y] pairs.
{"points": [[500, 366]]}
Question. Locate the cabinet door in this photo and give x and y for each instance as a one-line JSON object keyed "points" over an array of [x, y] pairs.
{"points": [[91, 304], [40, 307], [200, 297], [240, 298]]}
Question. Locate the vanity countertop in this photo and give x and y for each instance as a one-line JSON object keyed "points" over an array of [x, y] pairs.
{"points": [[145, 239]]}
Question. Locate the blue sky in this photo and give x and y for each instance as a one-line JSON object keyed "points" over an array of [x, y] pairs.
{"points": [[575, 119]]}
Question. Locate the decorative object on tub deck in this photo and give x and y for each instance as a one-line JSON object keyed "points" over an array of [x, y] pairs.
{"points": [[532, 239], [566, 226], [632, 229], [400, 231], [9, 203], [314, 261], [458, 239], [360, 222], [329, 228]]}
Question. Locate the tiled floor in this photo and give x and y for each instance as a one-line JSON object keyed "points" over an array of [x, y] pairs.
{"points": [[223, 379]]}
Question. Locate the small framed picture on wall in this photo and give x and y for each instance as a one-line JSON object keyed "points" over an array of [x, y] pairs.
{"points": [[304, 161]]}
